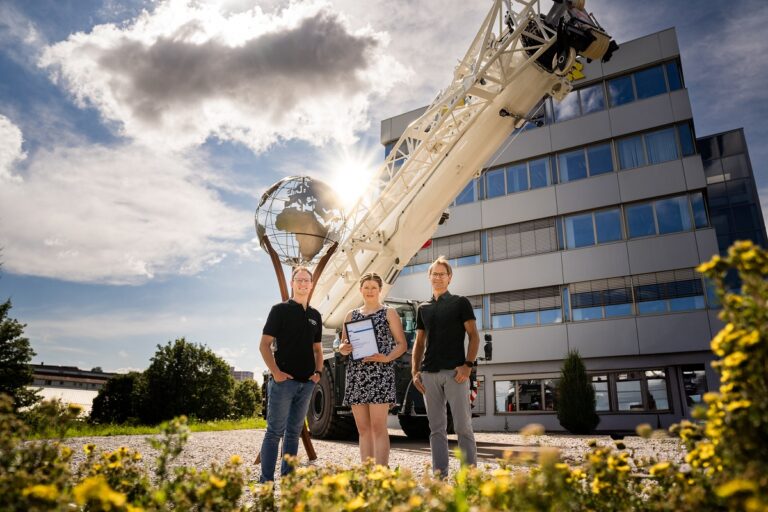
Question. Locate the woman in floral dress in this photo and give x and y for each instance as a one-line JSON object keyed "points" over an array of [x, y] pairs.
{"points": [[370, 389]]}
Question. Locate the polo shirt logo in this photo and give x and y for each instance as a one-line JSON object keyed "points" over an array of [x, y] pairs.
{"points": [[313, 322]]}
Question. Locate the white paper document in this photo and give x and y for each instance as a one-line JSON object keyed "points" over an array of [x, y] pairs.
{"points": [[362, 336]]}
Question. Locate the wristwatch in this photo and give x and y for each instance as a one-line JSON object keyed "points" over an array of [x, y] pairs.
{"points": [[469, 363], [318, 373]]}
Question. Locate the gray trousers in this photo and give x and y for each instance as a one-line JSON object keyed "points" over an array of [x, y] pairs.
{"points": [[441, 388]]}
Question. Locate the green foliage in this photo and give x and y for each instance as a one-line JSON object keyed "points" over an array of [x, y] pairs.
{"points": [[185, 379], [576, 397], [118, 400], [50, 418], [246, 401], [15, 356]]}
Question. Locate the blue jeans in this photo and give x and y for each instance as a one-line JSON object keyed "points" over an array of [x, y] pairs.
{"points": [[286, 410]]}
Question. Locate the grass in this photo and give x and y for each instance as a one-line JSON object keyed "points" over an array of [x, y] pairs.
{"points": [[83, 429]]}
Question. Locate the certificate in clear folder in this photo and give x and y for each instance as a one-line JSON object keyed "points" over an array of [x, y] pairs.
{"points": [[362, 336]]}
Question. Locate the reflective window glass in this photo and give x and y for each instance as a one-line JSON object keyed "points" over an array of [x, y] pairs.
{"points": [[620, 91], [494, 183], [592, 99], [529, 395], [673, 215], [699, 210], [631, 153], [501, 321], [695, 384], [652, 306], [568, 108], [657, 395], [686, 303], [504, 395], [478, 317], [608, 225], [735, 166], [550, 316], [650, 82], [517, 178], [628, 395], [686, 139], [618, 310], [550, 394], [579, 231], [527, 318], [539, 172], [673, 76], [593, 313], [573, 166], [467, 195], [640, 220], [602, 401], [600, 159], [661, 146]]}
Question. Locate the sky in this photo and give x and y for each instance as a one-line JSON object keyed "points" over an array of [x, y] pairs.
{"points": [[136, 138]]}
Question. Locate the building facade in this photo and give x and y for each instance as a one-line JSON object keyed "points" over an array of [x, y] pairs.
{"points": [[69, 384], [583, 233]]}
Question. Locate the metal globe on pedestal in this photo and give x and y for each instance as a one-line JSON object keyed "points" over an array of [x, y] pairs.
{"points": [[300, 217]]}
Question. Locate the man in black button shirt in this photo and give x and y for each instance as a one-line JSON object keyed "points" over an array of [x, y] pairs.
{"points": [[296, 366], [443, 374]]}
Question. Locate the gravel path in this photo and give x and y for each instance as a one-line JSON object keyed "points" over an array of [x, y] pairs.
{"points": [[205, 447]]}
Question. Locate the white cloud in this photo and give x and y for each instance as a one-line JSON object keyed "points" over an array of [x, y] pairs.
{"points": [[115, 215], [10, 149], [190, 70]]}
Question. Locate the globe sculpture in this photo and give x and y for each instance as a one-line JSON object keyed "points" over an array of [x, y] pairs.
{"points": [[299, 217]]}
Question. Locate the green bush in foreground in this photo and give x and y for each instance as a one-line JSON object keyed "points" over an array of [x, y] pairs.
{"points": [[726, 467]]}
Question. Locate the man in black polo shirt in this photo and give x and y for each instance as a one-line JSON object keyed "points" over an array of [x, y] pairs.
{"points": [[443, 374], [296, 367]]}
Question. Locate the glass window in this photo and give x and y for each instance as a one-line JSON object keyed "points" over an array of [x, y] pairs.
{"points": [[631, 153], [579, 231], [620, 91], [640, 220], [650, 82], [652, 306], [661, 146], [504, 391], [686, 139], [686, 303], [501, 321], [694, 384], [657, 395], [527, 318], [550, 394], [539, 172], [602, 400], [550, 316], [568, 108], [573, 166], [673, 76], [593, 313], [592, 99], [618, 310], [628, 395], [608, 225], [600, 159], [467, 195], [517, 178], [529, 395], [494, 183], [673, 215], [699, 210]]}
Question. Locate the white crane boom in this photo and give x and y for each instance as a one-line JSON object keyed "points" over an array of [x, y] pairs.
{"points": [[497, 83]]}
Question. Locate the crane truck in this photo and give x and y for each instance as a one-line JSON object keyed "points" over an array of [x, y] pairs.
{"points": [[517, 58]]}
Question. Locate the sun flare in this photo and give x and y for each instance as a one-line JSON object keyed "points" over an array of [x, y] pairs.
{"points": [[350, 169]]}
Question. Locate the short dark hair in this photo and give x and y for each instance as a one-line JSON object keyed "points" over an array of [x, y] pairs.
{"points": [[441, 261], [371, 276], [301, 268]]}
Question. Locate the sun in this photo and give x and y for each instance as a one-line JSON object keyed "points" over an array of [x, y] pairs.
{"points": [[349, 170]]}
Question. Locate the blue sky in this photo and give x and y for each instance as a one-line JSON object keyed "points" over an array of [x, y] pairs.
{"points": [[136, 138]]}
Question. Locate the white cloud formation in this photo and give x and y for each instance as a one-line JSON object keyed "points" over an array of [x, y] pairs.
{"points": [[115, 215], [190, 70], [10, 149]]}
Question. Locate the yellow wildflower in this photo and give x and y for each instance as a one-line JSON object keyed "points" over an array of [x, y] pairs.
{"points": [[738, 404], [415, 501], [41, 492], [736, 486], [235, 459], [659, 467], [217, 482], [97, 489], [88, 448], [356, 503], [735, 359], [709, 265], [751, 339]]}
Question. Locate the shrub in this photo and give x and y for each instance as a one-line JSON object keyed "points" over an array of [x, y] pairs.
{"points": [[246, 401], [576, 397], [118, 400]]}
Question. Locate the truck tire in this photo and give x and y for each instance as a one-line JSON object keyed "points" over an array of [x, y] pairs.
{"points": [[415, 427], [324, 423]]}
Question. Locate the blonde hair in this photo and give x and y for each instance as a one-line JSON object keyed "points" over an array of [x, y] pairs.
{"points": [[441, 261], [301, 268], [371, 276]]}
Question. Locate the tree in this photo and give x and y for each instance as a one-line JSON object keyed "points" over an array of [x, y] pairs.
{"points": [[97, 369], [15, 355], [247, 399], [576, 397], [186, 378], [118, 400]]}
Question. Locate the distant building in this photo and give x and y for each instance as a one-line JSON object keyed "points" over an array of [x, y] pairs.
{"points": [[69, 384], [240, 375]]}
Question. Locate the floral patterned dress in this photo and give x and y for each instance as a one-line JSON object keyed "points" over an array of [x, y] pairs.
{"points": [[372, 383]]}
